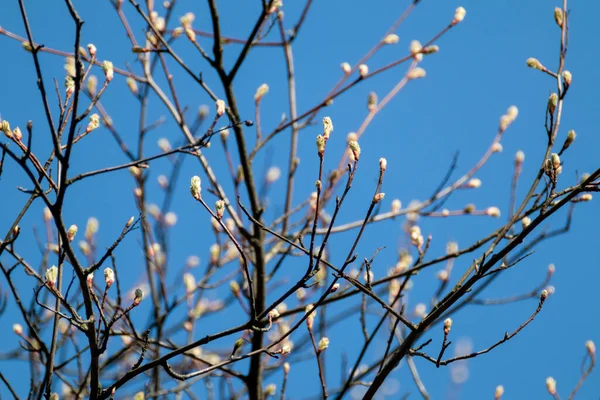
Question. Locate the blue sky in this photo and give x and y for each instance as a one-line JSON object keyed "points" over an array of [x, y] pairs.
{"points": [[479, 71]]}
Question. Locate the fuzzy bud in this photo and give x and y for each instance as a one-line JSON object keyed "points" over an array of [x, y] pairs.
{"points": [[220, 104], [552, 102], [535, 64], [519, 158], [138, 296], [51, 275], [551, 385], [497, 148], [396, 205], [220, 208], [569, 140], [493, 212], [310, 318], [17, 134], [585, 197], [195, 187], [391, 39], [327, 127], [109, 276], [235, 288], [499, 392], [525, 222], [544, 295], [107, 67], [286, 367], [92, 49], [459, 15], [90, 280], [372, 101], [559, 16], [447, 325], [430, 49], [6, 129], [320, 145], [473, 183], [261, 91], [334, 288], [346, 68], [363, 70], [591, 348], [355, 149], [378, 197], [18, 329], [416, 73], [93, 124], [323, 344], [270, 389], [567, 77], [71, 232]]}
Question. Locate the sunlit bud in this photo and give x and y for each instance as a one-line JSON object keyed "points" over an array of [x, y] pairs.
{"points": [[323, 344], [371, 101], [189, 282], [301, 294], [569, 140], [69, 85], [236, 346], [525, 222], [396, 205], [519, 158], [137, 192], [535, 64], [270, 389], [555, 158], [391, 39], [109, 276], [90, 280], [585, 197], [18, 135], [187, 19], [504, 122], [320, 144], [224, 135], [286, 367], [27, 46], [93, 124], [310, 319], [447, 325], [220, 104], [430, 49], [496, 148], [346, 68], [334, 288], [327, 127], [191, 35], [355, 149], [51, 275], [215, 251], [509, 117], [71, 232], [363, 70], [91, 228], [445, 212], [195, 187], [442, 275], [473, 183], [378, 197], [567, 77], [368, 276], [273, 174], [459, 15], [84, 247], [138, 296], [591, 348], [416, 73], [170, 218], [544, 295], [47, 214], [220, 208], [139, 396], [559, 16], [421, 310], [499, 392], [18, 329], [92, 84], [552, 102], [107, 67], [92, 49], [261, 91], [6, 129], [415, 47], [469, 208], [382, 164], [492, 212], [551, 385]]}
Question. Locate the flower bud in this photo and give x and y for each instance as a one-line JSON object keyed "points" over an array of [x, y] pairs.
{"points": [[363, 70], [17, 134], [220, 104], [391, 39], [585, 197], [327, 127], [396, 205], [378, 197], [559, 16], [92, 49], [51, 275], [569, 140], [372, 101], [496, 148], [382, 164], [591, 348], [416, 73], [273, 174], [469, 208], [90, 280], [195, 187], [355, 149], [92, 84], [270, 389], [567, 77], [544, 295], [286, 367], [535, 64], [499, 392], [109, 276], [310, 315], [334, 288], [415, 48], [220, 208], [459, 15], [430, 49], [18, 329], [261, 91], [107, 67], [519, 158], [71, 232], [492, 212], [552, 102], [525, 222], [447, 325], [320, 145], [323, 344], [551, 385], [473, 183], [346, 68]]}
